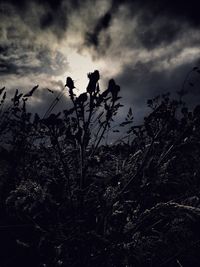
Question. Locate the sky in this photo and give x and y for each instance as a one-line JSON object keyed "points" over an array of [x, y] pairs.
{"points": [[148, 47]]}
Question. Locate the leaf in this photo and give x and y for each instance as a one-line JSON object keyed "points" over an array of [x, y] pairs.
{"points": [[105, 93], [29, 94], [51, 91], [130, 113], [125, 123], [68, 112], [82, 98]]}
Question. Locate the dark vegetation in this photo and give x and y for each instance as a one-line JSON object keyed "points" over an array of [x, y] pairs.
{"points": [[67, 199]]}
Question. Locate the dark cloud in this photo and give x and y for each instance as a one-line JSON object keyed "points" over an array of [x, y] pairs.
{"points": [[56, 13], [7, 68], [102, 24], [159, 32], [159, 22], [39, 61], [54, 4], [46, 20], [143, 82], [3, 50], [39, 15], [55, 20], [92, 38], [183, 10], [180, 10]]}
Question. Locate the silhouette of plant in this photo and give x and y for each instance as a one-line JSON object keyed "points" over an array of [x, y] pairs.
{"points": [[67, 199]]}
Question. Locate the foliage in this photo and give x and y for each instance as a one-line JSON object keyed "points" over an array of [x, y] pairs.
{"points": [[67, 199]]}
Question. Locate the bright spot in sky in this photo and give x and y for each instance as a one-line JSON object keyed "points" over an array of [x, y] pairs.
{"points": [[80, 64], [79, 67]]}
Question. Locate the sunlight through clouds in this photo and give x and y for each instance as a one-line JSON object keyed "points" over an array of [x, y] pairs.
{"points": [[133, 42]]}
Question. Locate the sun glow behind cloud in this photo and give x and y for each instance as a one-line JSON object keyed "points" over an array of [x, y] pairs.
{"points": [[80, 63], [79, 66]]}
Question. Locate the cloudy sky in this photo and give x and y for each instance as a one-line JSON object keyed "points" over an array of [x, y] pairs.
{"points": [[148, 46]]}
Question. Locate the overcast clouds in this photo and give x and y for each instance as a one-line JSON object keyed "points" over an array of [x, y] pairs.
{"points": [[147, 46]]}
